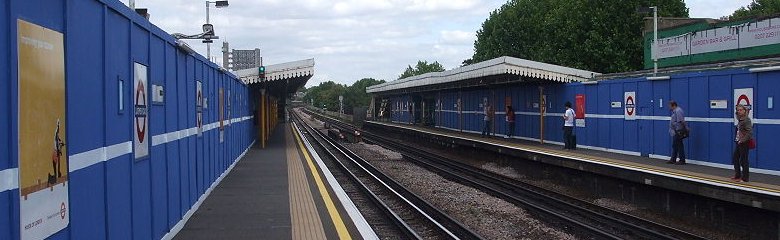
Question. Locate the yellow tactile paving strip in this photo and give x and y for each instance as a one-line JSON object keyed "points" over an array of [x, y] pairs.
{"points": [[305, 219], [338, 222], [660, 170]]}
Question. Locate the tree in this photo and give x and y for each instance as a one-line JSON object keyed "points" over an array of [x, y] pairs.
{"points": [[422, 67], [758, 8], [327, 94], [356, 96], [602, 36]]}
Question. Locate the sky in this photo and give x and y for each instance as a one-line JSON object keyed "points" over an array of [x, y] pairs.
{"points": [[351, 39]]}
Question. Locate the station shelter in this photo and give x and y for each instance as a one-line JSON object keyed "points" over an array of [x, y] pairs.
{"points": [[270, 87], [625, 113]]}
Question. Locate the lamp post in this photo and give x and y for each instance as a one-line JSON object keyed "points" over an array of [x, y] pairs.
{"points": [[654, 48], [655, 40], [217, 4]]}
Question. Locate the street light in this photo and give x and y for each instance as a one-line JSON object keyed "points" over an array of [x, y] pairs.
{"points": [[217, 4], [655, 35]]}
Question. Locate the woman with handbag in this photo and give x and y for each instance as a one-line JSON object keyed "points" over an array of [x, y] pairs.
{"points": [[744, 140]]}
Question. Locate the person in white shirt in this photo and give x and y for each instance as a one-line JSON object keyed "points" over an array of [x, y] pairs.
{"points": [[568, 126], [488, 111]]}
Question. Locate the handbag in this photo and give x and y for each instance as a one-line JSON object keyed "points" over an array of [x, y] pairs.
{"points": [[683, 133], [752, 143]]}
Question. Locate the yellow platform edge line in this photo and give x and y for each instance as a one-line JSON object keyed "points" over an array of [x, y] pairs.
{"points": [[334, 213]]}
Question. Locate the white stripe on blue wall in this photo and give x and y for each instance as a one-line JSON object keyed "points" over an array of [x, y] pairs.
{"points": [[88, 158], [9, 179], [85, 159], [656, 118]]}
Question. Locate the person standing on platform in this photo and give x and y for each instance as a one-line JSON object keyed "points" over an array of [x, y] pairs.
{"points": [[568, 127], [743, 137], [487, 119], [510, 122], [677, 129]]}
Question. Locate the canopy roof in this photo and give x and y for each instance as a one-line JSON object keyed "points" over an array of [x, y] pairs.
{"points": [[497, 66], [281, 71]]}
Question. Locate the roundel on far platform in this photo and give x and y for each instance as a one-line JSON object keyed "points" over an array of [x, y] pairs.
{"points": [[744, 96], [629, 103]]}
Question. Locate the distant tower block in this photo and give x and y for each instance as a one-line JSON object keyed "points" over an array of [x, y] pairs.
{"points": [[226, 55], [240, 59]]}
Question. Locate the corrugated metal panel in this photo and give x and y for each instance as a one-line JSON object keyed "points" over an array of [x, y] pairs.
{"points": [[112, 195], [497, 66]]}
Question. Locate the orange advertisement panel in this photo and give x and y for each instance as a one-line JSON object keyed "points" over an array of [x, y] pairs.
{"points": [[580, 109], [43, 155]]}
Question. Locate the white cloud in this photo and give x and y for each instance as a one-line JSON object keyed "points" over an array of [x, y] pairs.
{"points": [[458, 37], [351, 39], [441, 5], [714, 8]]}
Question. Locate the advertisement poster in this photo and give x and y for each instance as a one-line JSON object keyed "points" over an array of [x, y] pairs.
{"points": [[673, 46], [579, 110], [743, 96], [762, 33], [141, 116], [43, 155], [199, 107], [714, 40], [629, 103]]}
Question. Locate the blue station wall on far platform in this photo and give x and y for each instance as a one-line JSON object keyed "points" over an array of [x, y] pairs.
{"points": [[606, 127]]}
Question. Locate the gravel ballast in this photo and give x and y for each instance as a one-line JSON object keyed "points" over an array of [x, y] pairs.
{"points": [[491, 217]]}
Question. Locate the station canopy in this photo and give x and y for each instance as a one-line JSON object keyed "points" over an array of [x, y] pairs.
{"points": [[282, 78], [494, 71]]}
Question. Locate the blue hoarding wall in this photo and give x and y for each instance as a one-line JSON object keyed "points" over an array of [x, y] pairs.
{"points": [[112, 194], [606, 125]]}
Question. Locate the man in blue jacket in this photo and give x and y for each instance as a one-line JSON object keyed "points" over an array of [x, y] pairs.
{"points": [[677, 128]]}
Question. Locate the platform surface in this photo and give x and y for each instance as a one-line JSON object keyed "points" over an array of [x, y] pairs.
{"points": [[759, 182], [271, 194]]}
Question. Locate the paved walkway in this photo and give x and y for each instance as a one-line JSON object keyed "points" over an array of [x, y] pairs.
{"points": [[270, 194]]}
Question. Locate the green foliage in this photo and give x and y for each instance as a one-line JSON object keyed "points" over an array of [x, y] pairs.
{"points": [[603, 36], [356, 96], [328, 93], [422, 67], [758, 8]]}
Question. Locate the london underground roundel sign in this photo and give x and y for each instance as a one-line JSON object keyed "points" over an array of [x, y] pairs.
{"points": [[141, 113], [744, 96], [629, 101]]}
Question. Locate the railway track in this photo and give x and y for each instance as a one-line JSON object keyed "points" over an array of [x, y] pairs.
{"points": [[581, 216], [398, 213]]}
